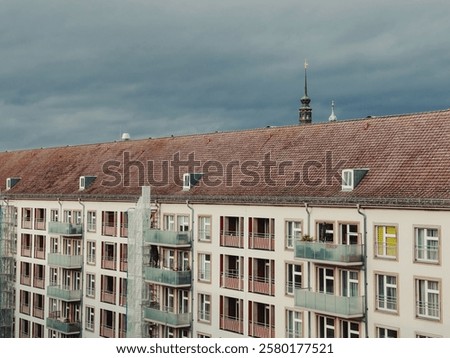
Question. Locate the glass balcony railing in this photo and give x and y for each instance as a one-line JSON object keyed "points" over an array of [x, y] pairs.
{"points": [[167, 318], [321, 251], [326, 303], [167, 276], [64, 293], [63, 326], [56, 227], [66, 261], [163, 237]]}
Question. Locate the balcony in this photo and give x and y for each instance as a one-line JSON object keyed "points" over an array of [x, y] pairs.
{"points": [[347, 307], [232, 324], [64, 293], [63, 325], [167, 277], [319, 251], [170, 238], [66, 229], [262, 241], [167, 317], [66, 261], [233, 280], [232, 239], [261, 330], [262, 285]]}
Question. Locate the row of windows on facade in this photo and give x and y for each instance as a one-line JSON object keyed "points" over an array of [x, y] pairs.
{"points": [[386, 241], [260, 320]]}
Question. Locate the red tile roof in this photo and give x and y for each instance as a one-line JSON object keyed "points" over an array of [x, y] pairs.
{"points": [[407, 157]]}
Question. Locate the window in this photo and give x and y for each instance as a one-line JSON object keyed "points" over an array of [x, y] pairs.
{"points": [[183, 222], [90, 318], [349, 329], [386, 241], [204, 228], [204, 268], [349, 234], [427, 299], [326, 327], [186, 181], [325, 232], [54, 215], [204, 307], [293, 324], [383, 332], [325, 278], [169, 222], [386, 292], [427, 245], [293, 278], [91, 221], [293, 233], [349, 283], [90, 285], [347, 179], [90, 253]]}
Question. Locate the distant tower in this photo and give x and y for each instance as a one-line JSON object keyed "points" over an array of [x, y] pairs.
{"points": [[305, 111], [332, 117]]}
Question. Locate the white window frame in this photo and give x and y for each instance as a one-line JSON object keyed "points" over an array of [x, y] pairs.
{"points": [[323, 277], [204, 228], [204, 268], [425, 250], [347, 179], [325, 322], [294, 324], [386, 292], [90, 285], [347, 328], [293, 233], [204, 307], [384, 332], [92, 221], [90, 318], [293, 271], [428, 299]]}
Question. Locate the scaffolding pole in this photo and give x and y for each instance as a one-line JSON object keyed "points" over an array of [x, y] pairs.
{"points": [[7, 269]]}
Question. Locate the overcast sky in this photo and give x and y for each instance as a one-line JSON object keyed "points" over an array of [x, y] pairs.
{"points": [[85, 71]]}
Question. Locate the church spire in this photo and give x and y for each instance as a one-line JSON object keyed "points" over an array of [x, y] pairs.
{"points": [[305, 111], [332, 117]]}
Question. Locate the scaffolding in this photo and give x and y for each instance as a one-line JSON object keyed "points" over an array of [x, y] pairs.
{"points": [[139, 218], [8, 247]]}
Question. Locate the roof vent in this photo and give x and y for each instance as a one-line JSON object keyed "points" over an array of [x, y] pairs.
{"points": [[351, 178], [10, 182], [86, 181], [126, 136], [190, 179]]}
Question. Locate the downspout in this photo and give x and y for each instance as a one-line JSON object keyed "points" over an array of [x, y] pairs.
{"points": [[83, 247], [192, 263], [366, 309], [308, 226], [60, 210]]}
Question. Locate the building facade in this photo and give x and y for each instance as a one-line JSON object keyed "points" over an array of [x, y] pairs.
{"points": [[334, 229]]}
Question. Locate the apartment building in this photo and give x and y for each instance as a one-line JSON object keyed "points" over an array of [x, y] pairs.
{"points": [[335, 229]]}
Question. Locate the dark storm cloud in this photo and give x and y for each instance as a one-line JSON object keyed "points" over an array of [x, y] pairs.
{"points": [[84, 71]]}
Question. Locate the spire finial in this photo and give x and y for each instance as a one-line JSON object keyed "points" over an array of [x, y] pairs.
{"points": [[306, 84], [332, 117]]}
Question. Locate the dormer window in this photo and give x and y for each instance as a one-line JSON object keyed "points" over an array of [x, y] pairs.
{"points": [[86, 181], [351, 178], [10, 182], [186, 181], [190, 179], [347, 179]]}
